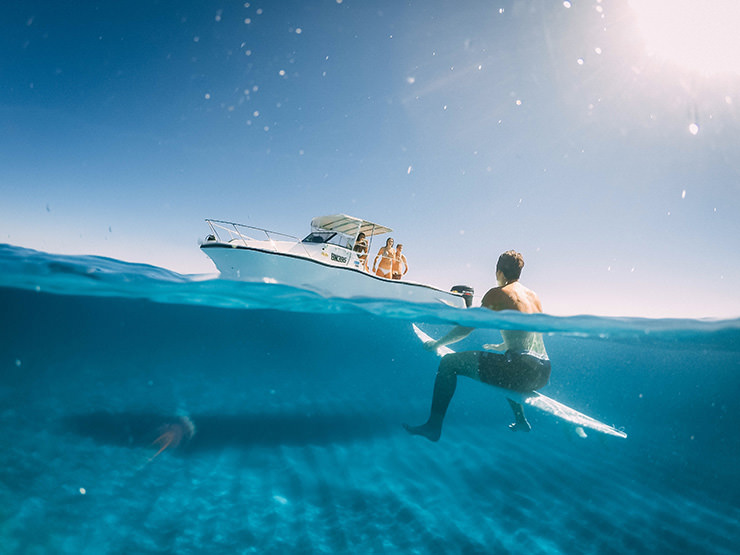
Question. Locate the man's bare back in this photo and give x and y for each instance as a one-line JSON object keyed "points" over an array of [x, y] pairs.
{"points": [[512, 296], [515, 296]]}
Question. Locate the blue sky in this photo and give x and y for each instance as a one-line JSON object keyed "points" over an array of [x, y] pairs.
{"points": [[553, 128]]}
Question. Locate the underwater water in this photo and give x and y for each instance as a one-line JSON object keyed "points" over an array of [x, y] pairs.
{"points": [[147, 412]]}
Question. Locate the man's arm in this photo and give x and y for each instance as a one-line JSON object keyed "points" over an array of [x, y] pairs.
{"points": [[455, 334], [495, 299]]}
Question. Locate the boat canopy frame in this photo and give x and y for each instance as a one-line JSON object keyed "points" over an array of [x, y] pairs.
{"points": [[350, 227]]}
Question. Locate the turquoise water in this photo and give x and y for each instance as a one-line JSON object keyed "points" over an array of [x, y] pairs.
{"points": [[297, 403]]}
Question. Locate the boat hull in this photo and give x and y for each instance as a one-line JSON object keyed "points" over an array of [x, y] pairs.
{"points": [[256, 265]]}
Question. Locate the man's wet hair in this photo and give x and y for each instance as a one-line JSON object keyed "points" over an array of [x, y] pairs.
{"points": [[510, 264]]}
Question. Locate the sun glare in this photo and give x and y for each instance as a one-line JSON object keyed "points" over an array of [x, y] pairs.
{"points": [[699, 36]]}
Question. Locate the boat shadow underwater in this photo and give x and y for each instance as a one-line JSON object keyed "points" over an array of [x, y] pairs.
{"points": [[212, 432]]}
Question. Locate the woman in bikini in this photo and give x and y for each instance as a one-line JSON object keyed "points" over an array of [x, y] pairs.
{"points": [[361, 248], [386, 254]]}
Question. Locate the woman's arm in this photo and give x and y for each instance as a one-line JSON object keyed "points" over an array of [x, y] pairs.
{"points": [[376, 258]]}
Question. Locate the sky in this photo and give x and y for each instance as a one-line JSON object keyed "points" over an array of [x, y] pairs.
{"points": [[601, 139]]}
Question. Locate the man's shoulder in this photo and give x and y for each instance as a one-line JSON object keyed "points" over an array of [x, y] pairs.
{"points": [[496, 299], [493, 291]]}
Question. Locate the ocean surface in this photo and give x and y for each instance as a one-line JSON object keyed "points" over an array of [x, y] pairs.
{"points": [[143, 411]]}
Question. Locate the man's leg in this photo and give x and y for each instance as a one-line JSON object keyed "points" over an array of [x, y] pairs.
{"points": [[452, 366], [520, 424]]}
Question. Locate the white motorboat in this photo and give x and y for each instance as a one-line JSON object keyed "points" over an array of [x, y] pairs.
{"points": [[324, 261]]}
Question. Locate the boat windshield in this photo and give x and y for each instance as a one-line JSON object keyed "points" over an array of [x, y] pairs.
{"points": [[320, 237]]}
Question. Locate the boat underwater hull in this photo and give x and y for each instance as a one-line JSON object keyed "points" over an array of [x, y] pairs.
{"points": [[249, 264]]}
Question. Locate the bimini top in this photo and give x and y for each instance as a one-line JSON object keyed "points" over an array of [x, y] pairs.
{"points": [[348, 225]]}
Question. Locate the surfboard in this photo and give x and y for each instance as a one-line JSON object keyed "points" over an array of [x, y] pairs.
{"points": [[541, 402]]}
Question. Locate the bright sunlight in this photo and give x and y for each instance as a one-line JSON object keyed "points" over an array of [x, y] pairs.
{"points": [[702, 36]]}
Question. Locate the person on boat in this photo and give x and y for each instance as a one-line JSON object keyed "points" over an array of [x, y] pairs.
{"points": [[386, 255], [520, 363], [361, 248], [399, 260]]}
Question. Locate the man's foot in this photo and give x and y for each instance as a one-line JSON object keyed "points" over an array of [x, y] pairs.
{"points": [[429, 432], [520, 426]]}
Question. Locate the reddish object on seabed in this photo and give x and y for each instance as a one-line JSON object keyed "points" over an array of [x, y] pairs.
{"points": [[173, 434]]}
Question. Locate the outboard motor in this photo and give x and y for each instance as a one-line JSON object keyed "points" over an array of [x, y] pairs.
{"points": [[467, 293]]}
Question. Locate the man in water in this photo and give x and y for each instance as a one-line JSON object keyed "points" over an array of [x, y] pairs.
{"points": [[520, 363]]}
